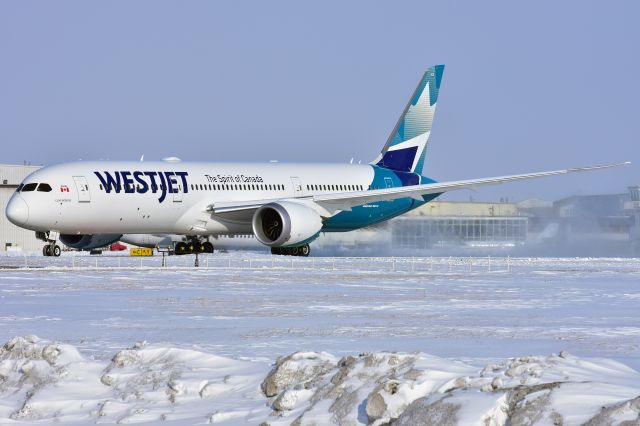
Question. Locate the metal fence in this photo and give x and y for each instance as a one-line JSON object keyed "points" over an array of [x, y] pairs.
{"points": [[265, 262]]}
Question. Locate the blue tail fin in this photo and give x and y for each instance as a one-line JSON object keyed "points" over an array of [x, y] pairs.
{"points": [[406, 147]]}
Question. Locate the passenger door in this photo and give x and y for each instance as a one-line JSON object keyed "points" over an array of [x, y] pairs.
{"points": [[297, 186], [82, 187], [177, 193]]}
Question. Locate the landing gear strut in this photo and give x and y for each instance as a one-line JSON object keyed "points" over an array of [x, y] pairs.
{"points": [[50, 248], [303, 251]]}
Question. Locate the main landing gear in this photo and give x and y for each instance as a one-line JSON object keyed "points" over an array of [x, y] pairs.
{"points": [[50, 248], [304, 250], [191, 247]]}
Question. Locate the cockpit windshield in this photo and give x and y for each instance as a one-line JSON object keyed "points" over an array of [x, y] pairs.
{"points": [[44, 187], [29, 187]]}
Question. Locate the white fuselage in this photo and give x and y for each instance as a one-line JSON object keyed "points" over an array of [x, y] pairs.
{"points": [[170, 197]]}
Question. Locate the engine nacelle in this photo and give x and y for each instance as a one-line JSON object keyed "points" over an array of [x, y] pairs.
{"points": [[88, 242], [285, 223]]}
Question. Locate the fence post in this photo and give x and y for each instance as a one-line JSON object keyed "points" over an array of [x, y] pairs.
{"points": [[431, 264], [450, 264], [25, 261], [96, 263], [508, 263], [229, 263], [470, 262], [489, 263], [393, 264], [413, 264], [73, 262], [333, 263]]}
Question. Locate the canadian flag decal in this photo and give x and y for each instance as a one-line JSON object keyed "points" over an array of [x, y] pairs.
{"points": [[64, 188]]}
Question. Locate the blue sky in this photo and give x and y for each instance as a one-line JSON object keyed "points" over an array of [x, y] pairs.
{"points": [[528, 85]]}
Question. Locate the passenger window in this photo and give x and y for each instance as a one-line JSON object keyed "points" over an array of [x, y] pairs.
{"points": [[29, 187], [44, 187]]}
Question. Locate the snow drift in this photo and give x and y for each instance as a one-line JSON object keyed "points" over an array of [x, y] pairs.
{"points": [[48, 382]]}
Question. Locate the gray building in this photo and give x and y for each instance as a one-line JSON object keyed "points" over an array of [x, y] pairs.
{"points": [[448, 223], [13, 238]]}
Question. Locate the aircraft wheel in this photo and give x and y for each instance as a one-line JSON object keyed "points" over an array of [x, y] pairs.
{"points": [[56, 250], [304, 250], [191, 248], [276, 250], [294, 251], [46, 251], [181, 248], [208, 247]]}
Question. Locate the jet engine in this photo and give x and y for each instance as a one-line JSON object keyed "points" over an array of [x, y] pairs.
{"points": [[88, 242], [285, 223]]}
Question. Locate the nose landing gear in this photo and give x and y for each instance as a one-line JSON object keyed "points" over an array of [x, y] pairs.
{"points": [[303, 251], [50, 248]]}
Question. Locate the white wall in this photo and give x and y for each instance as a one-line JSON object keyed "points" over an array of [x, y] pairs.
{"points": [[10, 177]]}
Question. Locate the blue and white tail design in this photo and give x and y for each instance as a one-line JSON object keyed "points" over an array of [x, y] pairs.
{"points": [[406, 147]]}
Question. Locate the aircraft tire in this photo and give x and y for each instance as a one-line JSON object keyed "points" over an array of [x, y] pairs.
{"points": [[276, 250], [46, 251], [304, 250], [208, 247], [181, 248], [294, 251], [56, 250]]}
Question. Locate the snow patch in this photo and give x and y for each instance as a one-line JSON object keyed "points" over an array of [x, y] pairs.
{"points": [[45, 382]]}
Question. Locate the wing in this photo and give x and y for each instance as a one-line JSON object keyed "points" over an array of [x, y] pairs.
{"points": [[330, 204]]}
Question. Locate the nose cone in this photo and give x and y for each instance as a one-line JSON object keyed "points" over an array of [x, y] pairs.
{"points": [[17, 210]]}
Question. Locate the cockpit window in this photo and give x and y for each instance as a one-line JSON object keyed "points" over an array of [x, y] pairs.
{"points": [[44, 187], [29, 187]]}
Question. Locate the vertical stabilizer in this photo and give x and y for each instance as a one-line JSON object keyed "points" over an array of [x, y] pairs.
{"points": [[406, 147]]}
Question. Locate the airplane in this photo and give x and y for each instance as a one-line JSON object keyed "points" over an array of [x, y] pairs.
{"points": [[88, 204]]}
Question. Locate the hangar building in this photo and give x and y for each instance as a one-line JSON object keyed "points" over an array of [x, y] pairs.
{"points": [[13, 238], [449, 223]]}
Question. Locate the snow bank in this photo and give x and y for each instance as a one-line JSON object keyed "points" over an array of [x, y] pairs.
{"points": [[48, 382]]}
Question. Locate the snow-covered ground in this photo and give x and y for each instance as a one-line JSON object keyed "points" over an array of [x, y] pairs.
{"points": [[474, 338]]}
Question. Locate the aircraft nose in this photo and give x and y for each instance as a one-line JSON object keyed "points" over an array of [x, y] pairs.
{"points": [[17, 210]]}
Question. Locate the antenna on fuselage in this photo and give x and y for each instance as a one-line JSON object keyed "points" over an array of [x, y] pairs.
{"points": [[142, 158], [351, 161]]}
